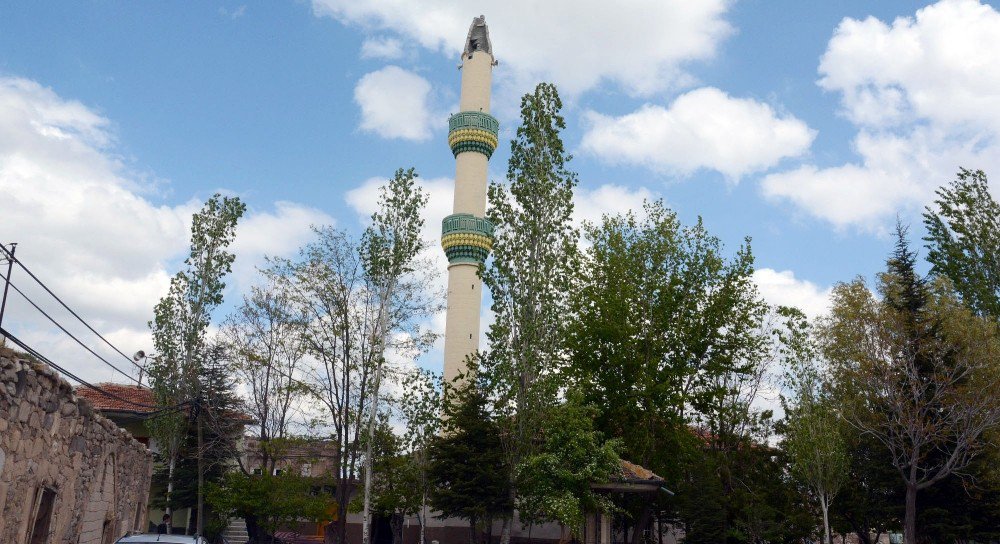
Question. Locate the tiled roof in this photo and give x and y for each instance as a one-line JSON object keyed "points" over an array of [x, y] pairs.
{"points": [[632, 471], [130, 393]]}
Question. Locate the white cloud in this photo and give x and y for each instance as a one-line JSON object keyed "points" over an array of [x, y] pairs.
{"points": [[703, 128], [642, 45], [608, 199], [394, 104], [924, 93], [942, 65], [382, 48], [85, 228], [782, 288]]}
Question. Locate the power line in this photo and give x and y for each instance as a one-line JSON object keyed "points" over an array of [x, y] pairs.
{"points": [[34, 353], [10, 255], [78, 341]]}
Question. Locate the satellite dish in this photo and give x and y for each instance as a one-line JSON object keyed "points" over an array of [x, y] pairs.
{"points": [[139, 355]]}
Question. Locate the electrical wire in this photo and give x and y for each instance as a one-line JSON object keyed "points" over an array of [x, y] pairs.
{"points": [[34, 353], [70, 310], [78, 341]]}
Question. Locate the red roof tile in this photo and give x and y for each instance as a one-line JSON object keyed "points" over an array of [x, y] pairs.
{"points": [[130, 393]]}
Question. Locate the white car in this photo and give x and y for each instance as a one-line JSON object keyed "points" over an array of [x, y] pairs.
{"points": [[152, 538]]}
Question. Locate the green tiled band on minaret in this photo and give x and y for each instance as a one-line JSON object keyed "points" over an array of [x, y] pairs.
{"points": [[466, 238], [473, 131]]}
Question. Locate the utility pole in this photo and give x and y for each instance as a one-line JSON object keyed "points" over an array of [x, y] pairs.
{"points": [[10, 268]]}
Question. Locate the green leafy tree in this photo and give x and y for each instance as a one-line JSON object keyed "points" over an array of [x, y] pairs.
{"points": [[928, 367], [813, 440], [672, 341], [963, 239], [660, 308], [420, 407], [274, 501], [181, 321], [389, 250], [530, 277], [467, 466], [556, 480]]}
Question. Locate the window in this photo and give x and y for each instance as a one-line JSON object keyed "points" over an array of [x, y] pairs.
{"points": [[307, 469], [257, 472], [44, 499], [278, 472]]}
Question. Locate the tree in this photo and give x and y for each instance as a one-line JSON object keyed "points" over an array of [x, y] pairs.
{"points": [[361, 300], [181, 321], [963, 240], [929, 369], [420, 407], [870, 499], [529, 277], [395, 490], [660, 308], [670, 338], [467, 466], [389, 250], [273, 500], [264, 339], [556, 480], [813, 439]]}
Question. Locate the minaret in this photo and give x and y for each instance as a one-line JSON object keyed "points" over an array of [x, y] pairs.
{"points": [[466, 235]]}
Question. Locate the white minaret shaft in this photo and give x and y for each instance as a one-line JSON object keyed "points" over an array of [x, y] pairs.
{"points": [[466, 236]]}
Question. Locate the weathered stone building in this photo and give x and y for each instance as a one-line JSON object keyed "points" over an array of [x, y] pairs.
{"points": [[67, 474]]}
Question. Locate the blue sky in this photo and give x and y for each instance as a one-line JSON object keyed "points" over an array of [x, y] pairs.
{"points": [[806, 125]]}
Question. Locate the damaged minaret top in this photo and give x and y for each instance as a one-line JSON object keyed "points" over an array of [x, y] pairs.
{"points": [[479, 38]]}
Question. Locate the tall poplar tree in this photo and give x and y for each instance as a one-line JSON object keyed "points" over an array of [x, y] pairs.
{"points": [[390, 248], [181, 321], [963, 239], [530, 277]]}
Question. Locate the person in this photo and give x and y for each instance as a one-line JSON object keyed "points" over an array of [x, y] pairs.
{"points": [[164, 527]]}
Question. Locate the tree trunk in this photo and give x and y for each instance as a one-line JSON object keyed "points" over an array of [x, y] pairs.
{"points": [[366, 517], [200, 527], [420, 517], [170, 490], [910, 523], [505, 530], [396, 524], [640, 524], [253, 530], [824, 504], [383, 319]]}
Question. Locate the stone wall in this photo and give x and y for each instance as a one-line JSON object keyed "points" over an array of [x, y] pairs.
{"points": [[67, 474]]}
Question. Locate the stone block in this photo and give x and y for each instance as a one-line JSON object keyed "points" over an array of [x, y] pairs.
{"points": [[24, 411]]}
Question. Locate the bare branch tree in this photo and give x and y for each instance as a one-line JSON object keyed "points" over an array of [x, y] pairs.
{"points": [[264, 340]]}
